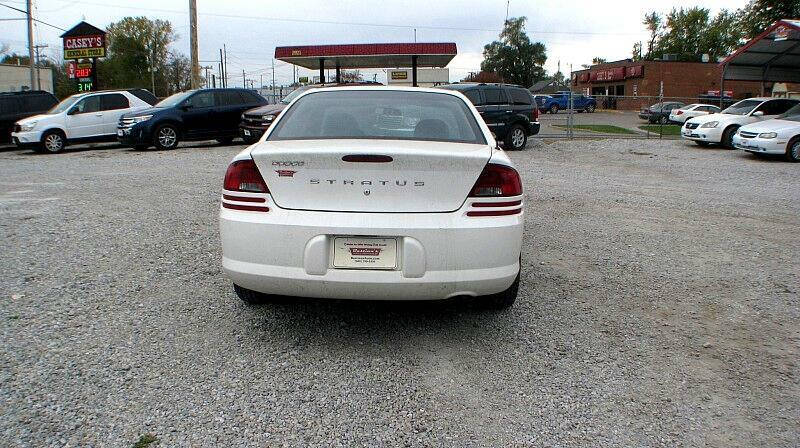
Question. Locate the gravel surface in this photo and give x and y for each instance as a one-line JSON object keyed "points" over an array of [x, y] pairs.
{"points": [[659, 307]]}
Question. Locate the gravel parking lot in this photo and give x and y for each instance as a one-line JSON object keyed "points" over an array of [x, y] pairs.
{"points": [[659, 307]]}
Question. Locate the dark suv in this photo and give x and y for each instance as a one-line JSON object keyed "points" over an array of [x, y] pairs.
{"points": [[659, 112], [15, 106], [510, 111], [204, 114]]}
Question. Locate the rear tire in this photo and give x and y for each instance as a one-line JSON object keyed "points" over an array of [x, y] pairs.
{"points": [[516, 138], [554, 109], [504, 299], [727, 137], [53, 142], [249, 296], [166, 137], [793, 150], [663, 120], [590, 108]]}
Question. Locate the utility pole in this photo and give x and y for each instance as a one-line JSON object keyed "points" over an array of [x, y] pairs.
{"points": [[261, 84], [207, 68], [38, 61], [34, 85], [221, 69], [244, 80], [193, 43], [153, 69], [225, 66], [294, 74], [273, 76]]}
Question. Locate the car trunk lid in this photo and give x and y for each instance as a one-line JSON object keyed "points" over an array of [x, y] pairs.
{"points": [[383, 176]]}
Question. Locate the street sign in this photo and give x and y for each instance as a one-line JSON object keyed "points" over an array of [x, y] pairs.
{"points": [[85, 47], [303, 80], [84, 41]]}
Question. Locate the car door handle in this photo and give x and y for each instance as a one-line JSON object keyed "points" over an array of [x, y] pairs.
{"points": [[98, 115]]}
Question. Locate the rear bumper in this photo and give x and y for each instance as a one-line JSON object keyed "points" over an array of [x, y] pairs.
{"points": [[534, 127], [760, 145], [439, 255]]}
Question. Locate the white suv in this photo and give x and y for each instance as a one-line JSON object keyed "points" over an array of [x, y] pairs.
{"points": [[80, 118], [720, 128]]}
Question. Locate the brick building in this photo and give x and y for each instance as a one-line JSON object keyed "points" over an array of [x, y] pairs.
{"points": [[631, 85]]}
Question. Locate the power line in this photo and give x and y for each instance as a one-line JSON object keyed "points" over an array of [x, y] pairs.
{"points": [[333, 22], [35, 20]]}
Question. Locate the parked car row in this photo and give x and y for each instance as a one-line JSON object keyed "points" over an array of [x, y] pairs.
{"points": [[756, 125], [135, 118]]}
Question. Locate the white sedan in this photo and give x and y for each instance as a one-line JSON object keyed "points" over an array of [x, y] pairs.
{"points": [[720, 128], [691, 111], [778, 136], [382, 193]]}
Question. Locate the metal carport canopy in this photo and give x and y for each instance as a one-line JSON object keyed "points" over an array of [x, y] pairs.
{"points": [[772, 56], [352, 56]]}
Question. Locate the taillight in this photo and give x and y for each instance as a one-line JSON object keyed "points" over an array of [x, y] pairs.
{"points": [[535, 113], [497, 181], [243, 175], [679, 112]]}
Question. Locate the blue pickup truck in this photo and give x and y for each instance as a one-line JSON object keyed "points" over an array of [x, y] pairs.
{"points": [[560, 101]]}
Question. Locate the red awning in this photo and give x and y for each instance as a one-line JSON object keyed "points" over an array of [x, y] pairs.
{"points": [[368, 55], [774, 55]]}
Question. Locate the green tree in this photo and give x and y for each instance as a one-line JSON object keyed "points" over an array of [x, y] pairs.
{"points": [[15, 59], [178, 73], [652, 22], [514, 57], [598, 60], [135, 44], [690, 33], [758, 15], [636, 53]]}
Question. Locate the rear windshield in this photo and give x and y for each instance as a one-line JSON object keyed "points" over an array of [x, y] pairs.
{"points": [[396, 115]]}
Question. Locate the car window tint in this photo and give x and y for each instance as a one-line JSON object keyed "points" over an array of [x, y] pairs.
{"points": [[494, 95], [250, 97], [474, 96], [114, 101], [519, 96], [782, 106], [90, 104], [228, 98], [201, 99], [379, 115]]}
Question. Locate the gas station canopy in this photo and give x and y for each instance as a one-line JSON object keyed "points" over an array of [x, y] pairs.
{"points": [[772, 56], [321, 57]]}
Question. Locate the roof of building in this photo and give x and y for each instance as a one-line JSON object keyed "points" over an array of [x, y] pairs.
{"points": [[83, 29], [773, 55], [368, 55]]}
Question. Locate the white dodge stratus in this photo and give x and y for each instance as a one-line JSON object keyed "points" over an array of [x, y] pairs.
{"points": [[374, 193]]}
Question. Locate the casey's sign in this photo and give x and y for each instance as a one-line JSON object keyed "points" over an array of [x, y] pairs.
{"points": [[77, 47]]}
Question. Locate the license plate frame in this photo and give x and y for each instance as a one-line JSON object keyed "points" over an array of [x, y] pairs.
{"points": [[365, 253]]}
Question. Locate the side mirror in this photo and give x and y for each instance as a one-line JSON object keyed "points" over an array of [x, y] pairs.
{"points": [[758, 113]]}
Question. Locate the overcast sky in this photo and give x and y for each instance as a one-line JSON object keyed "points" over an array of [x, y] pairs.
{"points": [[574, 31]]}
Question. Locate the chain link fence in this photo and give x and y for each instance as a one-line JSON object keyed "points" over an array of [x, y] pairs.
{"points": [[621, 116]]}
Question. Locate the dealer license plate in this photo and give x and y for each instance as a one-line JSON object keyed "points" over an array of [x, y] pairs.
{"points": [[246, 132], [364, 253]]}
